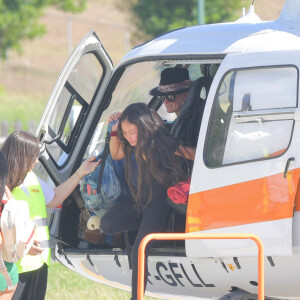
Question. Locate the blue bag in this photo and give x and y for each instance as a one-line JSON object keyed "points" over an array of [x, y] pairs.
{"points": [[113, 185], [102, 188]]}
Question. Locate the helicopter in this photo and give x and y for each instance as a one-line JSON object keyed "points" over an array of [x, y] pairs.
{"points": [[247, 163]]}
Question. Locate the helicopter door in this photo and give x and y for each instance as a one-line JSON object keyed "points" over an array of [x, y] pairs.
{"points": [[70, 110], [247, 163]]}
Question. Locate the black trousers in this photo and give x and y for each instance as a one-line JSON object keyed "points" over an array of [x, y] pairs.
{"points": [[152, 219], [32, 285]]}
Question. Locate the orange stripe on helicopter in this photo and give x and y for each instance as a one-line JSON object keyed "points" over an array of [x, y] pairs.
{"points": [[264, 199], [297, 199], [277, 153]]}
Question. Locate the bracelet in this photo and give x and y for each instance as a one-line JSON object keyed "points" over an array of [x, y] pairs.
{"points": [[114, 133], [78, 175]]}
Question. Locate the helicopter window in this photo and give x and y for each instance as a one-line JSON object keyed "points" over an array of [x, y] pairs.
{"points": [[71, 107], [252, 117], [134, 86]]}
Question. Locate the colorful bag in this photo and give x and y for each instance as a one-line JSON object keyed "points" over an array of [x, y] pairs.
{"points": [[102, 188], [99, 197]]}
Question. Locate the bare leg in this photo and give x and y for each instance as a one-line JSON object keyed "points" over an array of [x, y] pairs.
{"points": [[7, 295]]}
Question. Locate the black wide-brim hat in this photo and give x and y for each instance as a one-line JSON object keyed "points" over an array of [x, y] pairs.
{"points": [[173, 81]]}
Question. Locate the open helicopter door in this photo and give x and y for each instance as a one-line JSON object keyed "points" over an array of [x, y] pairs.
{"points": [[65, 124], [246, 169]]}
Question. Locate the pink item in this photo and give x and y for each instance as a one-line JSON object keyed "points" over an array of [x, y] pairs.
{"points": [[179, 193]]}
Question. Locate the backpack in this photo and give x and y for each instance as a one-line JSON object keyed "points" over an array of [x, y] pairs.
{"points": [[101, 189]]}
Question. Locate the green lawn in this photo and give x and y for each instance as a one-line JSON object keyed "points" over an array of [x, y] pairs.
{"points": [[64, 284], [20, 108]]}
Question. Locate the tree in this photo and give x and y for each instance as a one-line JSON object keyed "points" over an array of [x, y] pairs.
{"points": [[19, 20], [154, 17]]}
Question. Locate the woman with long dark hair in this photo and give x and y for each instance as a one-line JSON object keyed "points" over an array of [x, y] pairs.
{"points": [[21, 150], [154, 161]]}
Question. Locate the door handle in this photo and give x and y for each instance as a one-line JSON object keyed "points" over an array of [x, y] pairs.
{"points": [[287, 166]]}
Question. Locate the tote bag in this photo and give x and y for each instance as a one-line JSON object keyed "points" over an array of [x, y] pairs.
{"points": [[106, 185]]}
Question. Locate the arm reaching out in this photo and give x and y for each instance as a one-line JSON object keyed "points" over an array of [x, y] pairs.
{"points": [[62, 191]]}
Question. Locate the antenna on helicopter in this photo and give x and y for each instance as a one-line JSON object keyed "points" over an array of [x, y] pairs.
{"points": [[244, 9], [250, 16]]}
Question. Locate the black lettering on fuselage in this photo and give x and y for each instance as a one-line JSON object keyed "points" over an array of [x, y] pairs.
{"points": [[171, 281], [176, 278], [148, 280], [176, 275], [188, 278], [198, 276]]}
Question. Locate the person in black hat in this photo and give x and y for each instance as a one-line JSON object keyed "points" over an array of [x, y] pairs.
{"points": [[173, 88]]}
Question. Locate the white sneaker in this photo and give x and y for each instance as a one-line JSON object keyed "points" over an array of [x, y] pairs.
{"points": [[93, 223]]}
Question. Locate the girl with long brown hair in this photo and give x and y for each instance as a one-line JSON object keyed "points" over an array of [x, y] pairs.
{"points": [[154, 161]]}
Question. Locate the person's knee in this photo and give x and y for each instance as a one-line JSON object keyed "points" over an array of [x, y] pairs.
{"points": [[107, 225]]}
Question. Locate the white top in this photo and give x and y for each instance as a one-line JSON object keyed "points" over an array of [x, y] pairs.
{"points": [[17, 230]]}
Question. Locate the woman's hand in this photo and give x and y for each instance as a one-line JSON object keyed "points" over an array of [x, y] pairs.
{"points": [[115, 116], [35, 249], [64, 190], [87, 167]]}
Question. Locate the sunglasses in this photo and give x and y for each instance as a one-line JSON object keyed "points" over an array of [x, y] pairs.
{"points": [[170, 98]]}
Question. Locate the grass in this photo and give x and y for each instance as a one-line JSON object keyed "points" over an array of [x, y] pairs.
{"points": [[20, 108], [64, 284]]}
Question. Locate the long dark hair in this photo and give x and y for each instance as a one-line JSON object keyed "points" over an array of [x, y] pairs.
{"points": [[153, 153], [3, 175], [20, 150]]}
